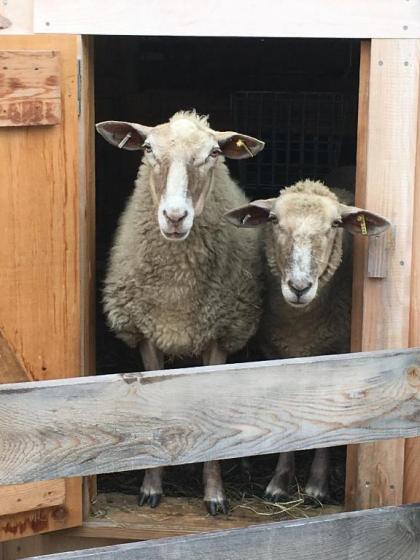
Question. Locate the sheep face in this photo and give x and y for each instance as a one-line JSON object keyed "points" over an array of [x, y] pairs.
{"points": [[181, 156], [304, 246]]}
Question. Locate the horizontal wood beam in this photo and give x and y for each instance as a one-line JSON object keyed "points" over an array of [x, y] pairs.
{"points": [[35, 495], [111, 423], [381, 534], [240, 18]]}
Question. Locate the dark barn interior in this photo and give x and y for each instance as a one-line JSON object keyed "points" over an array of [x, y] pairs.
{"points": [[299, 96]]}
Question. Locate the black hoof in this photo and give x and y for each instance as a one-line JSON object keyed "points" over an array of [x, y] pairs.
{"points": [[214, 506], [153, 500], [277, 497], [314, 502]]}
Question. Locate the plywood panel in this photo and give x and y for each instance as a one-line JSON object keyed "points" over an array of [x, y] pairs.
{"points": [[251, 18], [112, 423], [29, 88], [375, 471], [40, 256], [382, 534]]}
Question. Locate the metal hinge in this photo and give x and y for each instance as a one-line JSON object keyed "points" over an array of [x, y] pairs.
{"points": [[79, 87]]}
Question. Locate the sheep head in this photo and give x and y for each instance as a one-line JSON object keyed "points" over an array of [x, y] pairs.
{"points": [[181, 156], [304, 247]]}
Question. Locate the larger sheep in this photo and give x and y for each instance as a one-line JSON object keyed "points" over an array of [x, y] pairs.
{"points": [[308, 276], [180, 282]]}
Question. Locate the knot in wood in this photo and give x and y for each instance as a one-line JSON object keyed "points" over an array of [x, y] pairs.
{"points": [[413, 376]]}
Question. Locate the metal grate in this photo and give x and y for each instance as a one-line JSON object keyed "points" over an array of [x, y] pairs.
{"points": [[302, 131]]}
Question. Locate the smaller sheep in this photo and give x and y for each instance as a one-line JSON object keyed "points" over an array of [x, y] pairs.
{"points": [[309, 281]]}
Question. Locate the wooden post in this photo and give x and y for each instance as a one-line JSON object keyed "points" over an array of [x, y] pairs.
{"points": [[388, 111], [412, 446]]}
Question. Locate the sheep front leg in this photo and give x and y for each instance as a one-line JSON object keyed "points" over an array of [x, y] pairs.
{"points": [[317, 485], [278, 488], [151, 488], [214, 494]]}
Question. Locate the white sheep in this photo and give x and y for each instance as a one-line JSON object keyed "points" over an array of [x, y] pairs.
{"points": [[309, 281], [180, 281]]}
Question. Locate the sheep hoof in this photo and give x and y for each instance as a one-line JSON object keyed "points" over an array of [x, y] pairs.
{"points": [[213, 506], [316, 495], [153, 500], [276, 496]]}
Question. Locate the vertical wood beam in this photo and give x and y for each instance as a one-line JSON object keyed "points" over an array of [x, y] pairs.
{"points": [[412, 446], [386, 156]]}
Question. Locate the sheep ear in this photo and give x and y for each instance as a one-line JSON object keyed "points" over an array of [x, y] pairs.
{"points": [[129, 136], [252, 215], [238, 146], [360, 221]]}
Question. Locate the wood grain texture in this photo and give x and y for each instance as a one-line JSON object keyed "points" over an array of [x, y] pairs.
{"points": [[382, 534], [375, 472], [11, 371], [44, 520], [29, 88], [39, 255], [412, 448], [118, 516], [112, 423], [242, 18], [35, 495]]}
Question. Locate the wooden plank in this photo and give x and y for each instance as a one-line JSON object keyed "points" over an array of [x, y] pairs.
{"points": [[242, 18], [29, 88], [11, 371], [113, 423], [35, 495], [118, 516], [39, 256], [20, 16], [87, 228], [375, 471], [59, 541], [412, 448], [44, 520], [382, 534]]}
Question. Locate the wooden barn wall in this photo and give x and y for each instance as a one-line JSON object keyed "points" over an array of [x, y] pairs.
{"points": [[386, 179], [40, 288]]}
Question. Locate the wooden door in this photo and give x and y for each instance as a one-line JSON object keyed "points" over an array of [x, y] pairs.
{"points": [[43, 286]]}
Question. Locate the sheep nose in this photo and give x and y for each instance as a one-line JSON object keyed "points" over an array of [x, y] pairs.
{"points": [[299, 290], [175, 216]]}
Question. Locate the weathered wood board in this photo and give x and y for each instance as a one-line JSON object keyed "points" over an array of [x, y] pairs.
{"points": [[381, 534], [113, 423], [240, 18], [29, 88]]}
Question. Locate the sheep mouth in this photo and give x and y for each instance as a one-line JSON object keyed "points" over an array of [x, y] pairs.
{"points": [[175, 235]]}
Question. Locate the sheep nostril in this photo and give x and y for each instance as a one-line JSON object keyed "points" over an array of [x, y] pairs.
{"points": [[175, 217], [299, 290]]}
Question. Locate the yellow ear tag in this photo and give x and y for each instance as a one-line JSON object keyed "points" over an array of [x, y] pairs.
{"points": [[241, 144], [363, 226]]}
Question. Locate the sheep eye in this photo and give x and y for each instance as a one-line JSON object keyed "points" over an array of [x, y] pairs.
{"points": [[336, 224], [273, 218], [147, 148], [215, 152]]}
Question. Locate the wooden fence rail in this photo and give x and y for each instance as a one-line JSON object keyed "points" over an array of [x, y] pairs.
{"points": [[113, 423], [379, 534]]}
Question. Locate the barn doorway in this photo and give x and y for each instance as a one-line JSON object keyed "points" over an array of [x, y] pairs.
{"points": [[299, 96]]}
